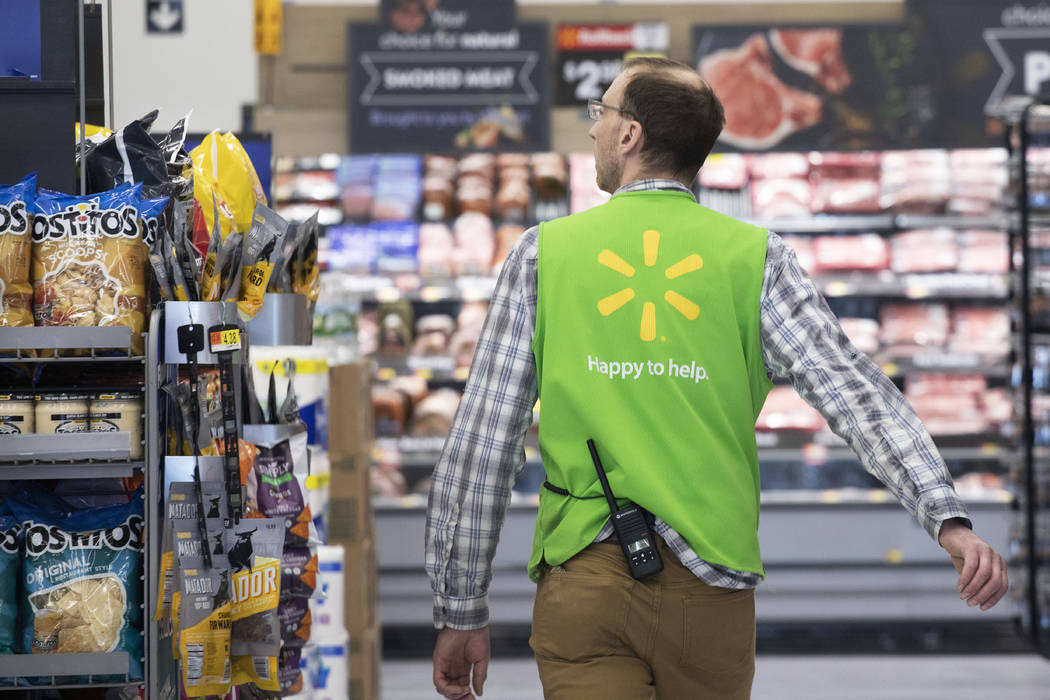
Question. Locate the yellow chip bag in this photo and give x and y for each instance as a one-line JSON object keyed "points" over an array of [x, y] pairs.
{"points": [[221, 166]]}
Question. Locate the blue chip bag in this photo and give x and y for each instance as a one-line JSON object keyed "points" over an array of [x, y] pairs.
{"points": [[16, 292], [82, 591], [10, 569]]}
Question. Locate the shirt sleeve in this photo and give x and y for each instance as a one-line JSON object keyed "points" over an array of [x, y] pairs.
{"points": [[803, 342], [472, 481]]}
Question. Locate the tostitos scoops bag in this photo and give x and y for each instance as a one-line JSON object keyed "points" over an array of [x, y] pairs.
{"points": [[89, 261], [81, 580], [16, 293]]}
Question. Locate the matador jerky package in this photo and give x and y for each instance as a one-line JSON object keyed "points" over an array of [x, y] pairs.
{"points": [[16, 293], [10, 569], [182, 508], [89, 261], [254, 548], [204, 625], [81, 577]]}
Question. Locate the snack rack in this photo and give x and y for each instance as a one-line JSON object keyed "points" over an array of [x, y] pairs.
{"points": [[162, 678], [1030, 542], [72, 457]]}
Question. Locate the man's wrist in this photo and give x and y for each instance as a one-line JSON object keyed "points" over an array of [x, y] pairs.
{"points": [[953, 525]]}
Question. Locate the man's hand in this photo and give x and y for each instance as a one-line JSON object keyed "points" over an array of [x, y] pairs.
{"points": [[455, 653], [982, 572]]}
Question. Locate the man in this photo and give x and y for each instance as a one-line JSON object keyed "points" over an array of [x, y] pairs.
{"points": [[652, 325]]}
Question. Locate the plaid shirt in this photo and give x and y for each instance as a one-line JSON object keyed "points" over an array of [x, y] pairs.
{"points": [[801, 340]]}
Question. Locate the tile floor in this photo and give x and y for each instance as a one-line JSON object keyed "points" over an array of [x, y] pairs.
{"points": [[1000, 677]]}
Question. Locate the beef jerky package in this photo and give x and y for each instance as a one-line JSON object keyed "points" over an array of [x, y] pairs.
{"points": [[278, 483], [82, 588], [307, 278], [89, 261], [299, 568], [211, 275], [205, 598], [182, 508], [16, 245], [231, 263], [261, 247], [296, 622], [10, 570], [254, 548]]}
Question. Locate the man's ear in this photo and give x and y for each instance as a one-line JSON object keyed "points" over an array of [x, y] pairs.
{"points": [[632, 138]]}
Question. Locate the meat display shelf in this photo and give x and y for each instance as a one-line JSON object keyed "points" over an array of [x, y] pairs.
{"points": [[925, 286], [67, 447], [915, 221], [390, 288], [942, 361], [97, 668], [827, 224], [103, 343]]}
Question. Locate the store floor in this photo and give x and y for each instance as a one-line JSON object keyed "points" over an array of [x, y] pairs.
{"points": [[1000, 677]]}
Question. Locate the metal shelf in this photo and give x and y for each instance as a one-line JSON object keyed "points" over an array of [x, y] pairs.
{"points": [[43, 666], [910, 221], [69, 470], [926, 286], [826, 224], [69, 447], [52, 340]]}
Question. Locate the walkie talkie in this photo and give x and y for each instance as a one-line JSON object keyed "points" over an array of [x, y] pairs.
{"points": [[632, 529]]}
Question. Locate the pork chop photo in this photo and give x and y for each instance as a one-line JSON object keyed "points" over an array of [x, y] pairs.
{"points": [[761, 111], [815, 52]]}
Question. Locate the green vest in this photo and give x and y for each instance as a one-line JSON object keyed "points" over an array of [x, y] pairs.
{"points": [[647, 340]]}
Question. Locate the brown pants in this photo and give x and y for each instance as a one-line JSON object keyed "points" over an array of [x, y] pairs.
{"points": [[598, 633]]}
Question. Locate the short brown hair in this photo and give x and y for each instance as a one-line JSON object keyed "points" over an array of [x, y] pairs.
{"points": [[681, 119]]}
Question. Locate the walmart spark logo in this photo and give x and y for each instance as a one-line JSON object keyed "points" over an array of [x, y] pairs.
{"points": [[650, 250]]}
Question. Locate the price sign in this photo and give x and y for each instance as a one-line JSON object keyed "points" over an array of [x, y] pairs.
{"points": [[590, 56], [225, 340]]}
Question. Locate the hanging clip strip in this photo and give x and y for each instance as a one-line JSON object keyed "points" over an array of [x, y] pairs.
{"points": [[225, 339]]}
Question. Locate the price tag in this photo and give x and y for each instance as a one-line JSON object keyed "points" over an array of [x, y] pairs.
{"points": [[386, 373], [836, 289], [461, 373], [224, 339]]}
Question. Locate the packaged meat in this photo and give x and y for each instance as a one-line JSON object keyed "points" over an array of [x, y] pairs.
{"points": [[933, 250], [761, 111], [475, 243], [998, 405], [984, 251], [482, 165], [867, 251], [984, 330], [863, 333], [948, 404], [549, 175], [778, 166], [390, 409], [512, 200], [512, 160], [846, 196], [774, 198], [724, 171], [441, 166], [784, 409], [506, 236], [433, 416], [925, 325], [435, 254], [845, 166], [474, 194], [437, 198]]}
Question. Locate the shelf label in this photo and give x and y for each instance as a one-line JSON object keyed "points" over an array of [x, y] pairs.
{"points": [[225, 340]]}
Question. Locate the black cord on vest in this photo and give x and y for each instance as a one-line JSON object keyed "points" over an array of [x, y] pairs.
{"points": [[562, 492]]}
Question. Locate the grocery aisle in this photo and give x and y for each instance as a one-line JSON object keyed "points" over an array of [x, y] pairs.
{"points": [[1007, 677]]}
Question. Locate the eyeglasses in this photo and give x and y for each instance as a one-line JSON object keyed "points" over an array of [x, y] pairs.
{"points": [[595, 108]]}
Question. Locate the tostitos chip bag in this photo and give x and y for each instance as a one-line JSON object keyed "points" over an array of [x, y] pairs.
{"points": [[81, 580], [10, 569], [221, 165], [16, 293], [89, 261]]}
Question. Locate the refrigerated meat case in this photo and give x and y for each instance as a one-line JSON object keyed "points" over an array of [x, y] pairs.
{"points": [[837, 548], [1029, 137]]}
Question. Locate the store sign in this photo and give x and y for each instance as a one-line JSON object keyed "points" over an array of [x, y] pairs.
{"points": [[448, 91], [412, 16], [928, 81], [590, 55], [164, 16]]}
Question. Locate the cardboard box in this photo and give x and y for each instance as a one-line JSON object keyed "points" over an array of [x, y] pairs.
{"points": [[366, 655], [362, 586], [351, 425], [350, 517]]}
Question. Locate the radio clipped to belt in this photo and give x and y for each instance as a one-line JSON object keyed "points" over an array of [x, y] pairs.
{"points": [[631, 523]]}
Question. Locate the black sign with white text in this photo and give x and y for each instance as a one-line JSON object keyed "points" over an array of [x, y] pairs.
{"points": [[590, 55], [448, 91]]}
